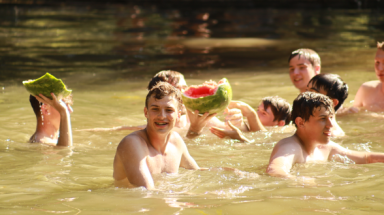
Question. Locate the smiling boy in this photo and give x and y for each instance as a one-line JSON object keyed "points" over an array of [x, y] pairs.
{"points": [[371, 94], [157, 148], [312, 114], [303, 65]]}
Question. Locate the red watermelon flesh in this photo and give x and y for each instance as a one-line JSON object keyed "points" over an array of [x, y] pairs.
{"points": [[207, 89], [208, 97]]}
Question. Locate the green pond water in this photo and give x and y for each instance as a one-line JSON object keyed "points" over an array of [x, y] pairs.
{"points": [[107, 56]]}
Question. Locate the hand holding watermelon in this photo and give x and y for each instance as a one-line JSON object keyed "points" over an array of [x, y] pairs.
{"points": [[198, 122]]}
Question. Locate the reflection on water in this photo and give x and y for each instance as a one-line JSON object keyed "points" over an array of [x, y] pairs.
{"points": [[107, 55]]}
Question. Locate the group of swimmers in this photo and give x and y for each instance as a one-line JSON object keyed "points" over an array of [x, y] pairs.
{"points": [[159, 147]]}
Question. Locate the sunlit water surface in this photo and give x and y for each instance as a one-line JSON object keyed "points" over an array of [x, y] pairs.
{"points": [[38, 179]]}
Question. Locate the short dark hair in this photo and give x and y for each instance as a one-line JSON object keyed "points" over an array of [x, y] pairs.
{"points": [[308, 54], [35, 105], [164, 89], [306, 102], [335, 87], [172, 77], [281, 109], [380, 45]]}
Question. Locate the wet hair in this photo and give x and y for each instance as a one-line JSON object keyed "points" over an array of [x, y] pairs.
{"points": [[35, 105], [308, 54], [169, 76], [335, 87], [380, 45], [164, 89], [304, 105], [281, 109]]}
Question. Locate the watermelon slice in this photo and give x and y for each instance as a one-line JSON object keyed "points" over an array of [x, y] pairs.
{"points": [[46, 85], [209, 97]]}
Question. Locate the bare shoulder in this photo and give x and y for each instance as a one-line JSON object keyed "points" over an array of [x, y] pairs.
{"points": [[369, 85], [335, 146], [289, 142], [286, 146], [177, 140], [134, 141]]}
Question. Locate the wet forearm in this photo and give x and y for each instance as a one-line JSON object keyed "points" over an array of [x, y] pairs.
{"points": [[254, 122], [374, 157], [65, 138]]}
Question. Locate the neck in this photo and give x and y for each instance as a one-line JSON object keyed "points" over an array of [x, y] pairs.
{"points": [[158, 141], [308, 146], [381, 87]]}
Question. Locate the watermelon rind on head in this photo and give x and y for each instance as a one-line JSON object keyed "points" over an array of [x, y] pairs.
{"points": [[214, 103], [46, 85]]}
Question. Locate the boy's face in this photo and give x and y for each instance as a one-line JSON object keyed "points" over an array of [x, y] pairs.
{"points": [[318, 126], [266, 115], [300, 72], [379, 65], [162, 114]]}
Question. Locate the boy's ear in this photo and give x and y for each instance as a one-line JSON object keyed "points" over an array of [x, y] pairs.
{"points": [[145, 112], [335, 102], [281, 123], [299, 121], [317, 69]]}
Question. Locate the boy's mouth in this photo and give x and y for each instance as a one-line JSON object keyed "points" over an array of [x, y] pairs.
{"points": [[161, 123]]}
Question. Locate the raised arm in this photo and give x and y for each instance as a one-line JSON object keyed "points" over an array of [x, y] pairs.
{"points": [[250, 113], [130, 161], [65, 138]]}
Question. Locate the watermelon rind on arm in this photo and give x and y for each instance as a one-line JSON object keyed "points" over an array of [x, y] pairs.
{"points": [[215, 103], [46, 85]]}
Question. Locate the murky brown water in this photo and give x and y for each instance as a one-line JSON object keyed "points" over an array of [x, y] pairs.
{"points": [[107, 57]]}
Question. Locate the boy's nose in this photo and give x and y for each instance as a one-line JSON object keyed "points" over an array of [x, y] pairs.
{"points": [[162, 114], [381, 66]]}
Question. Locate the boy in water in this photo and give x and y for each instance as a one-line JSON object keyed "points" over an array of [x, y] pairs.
{"points": [[370, 95], [272, 111], [191, 123], [336, 89], [157, 148], [303, 65], [53, 120], [312, 114]]}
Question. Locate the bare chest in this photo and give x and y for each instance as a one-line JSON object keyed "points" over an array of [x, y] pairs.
{"points": [[168, 162], [375, 101], [321, 153]]}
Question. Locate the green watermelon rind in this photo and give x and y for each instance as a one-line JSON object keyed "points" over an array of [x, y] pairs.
{"points": [[46, 85], [213, 104]]}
